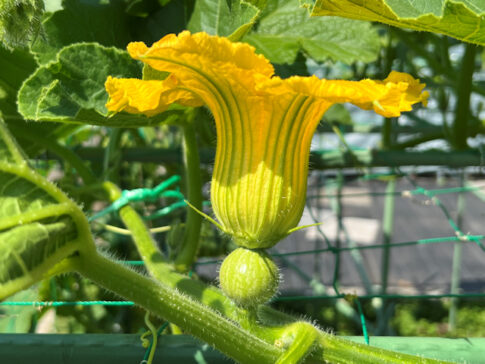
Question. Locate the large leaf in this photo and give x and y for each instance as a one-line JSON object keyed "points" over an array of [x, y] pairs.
{"points": [[39, 225], [71, 89], [15, 67], [286, 29], [232, 18], [461, 19], [83, 21]]}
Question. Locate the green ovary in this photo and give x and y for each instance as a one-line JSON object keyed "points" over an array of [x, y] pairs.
{"points": [[260, 208], [249, 277]]}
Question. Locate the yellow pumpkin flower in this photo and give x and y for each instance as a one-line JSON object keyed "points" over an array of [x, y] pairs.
{"points": [[264, 123]]}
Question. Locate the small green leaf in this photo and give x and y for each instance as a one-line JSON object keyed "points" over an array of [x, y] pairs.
{"points": [[461, 19], [39, 225], [231, 19], [286, 29], [82, 21], [72, 88]]}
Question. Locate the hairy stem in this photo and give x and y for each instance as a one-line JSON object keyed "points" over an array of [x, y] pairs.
{"points": [[168, 303], [155, 262]]}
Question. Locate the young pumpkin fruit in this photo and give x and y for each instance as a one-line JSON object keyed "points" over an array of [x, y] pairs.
{"points": [[249, 277]]}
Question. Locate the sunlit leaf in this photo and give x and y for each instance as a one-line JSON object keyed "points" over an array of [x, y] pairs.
{"points": [[221, 17], [15, 67], [72, 88], [461, 19], [286, 29]]}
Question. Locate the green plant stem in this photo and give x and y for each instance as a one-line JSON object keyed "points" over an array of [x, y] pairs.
{"points": [[160, 269], [112, 155], [190, 241], [333, 349], [170, 304], [457, 260], [464, 88], [64, 153], [154, 260], [386, 134]]}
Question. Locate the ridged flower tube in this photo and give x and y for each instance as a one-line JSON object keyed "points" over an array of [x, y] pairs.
{"points": [[264, 123]]}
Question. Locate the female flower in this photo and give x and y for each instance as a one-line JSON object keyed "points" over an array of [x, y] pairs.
{"points": [[264, 123], [264, 129]]}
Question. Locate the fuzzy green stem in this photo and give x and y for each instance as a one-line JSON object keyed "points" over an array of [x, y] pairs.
{"points": [[158, 267], [170, 304], [146, 246], [303, 336], [333, 349], [190, 242]]}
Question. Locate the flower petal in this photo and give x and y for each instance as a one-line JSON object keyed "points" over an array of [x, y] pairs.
{"points": [[397, 93], [147, 97], [199, 49]]}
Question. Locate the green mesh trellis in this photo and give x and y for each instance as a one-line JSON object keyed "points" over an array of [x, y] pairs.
{"points": [[430, 194]]}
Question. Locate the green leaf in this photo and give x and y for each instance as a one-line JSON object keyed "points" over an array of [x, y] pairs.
{"points": [[71, 89], [39, 225], [461, 19], [231, 19], [82, 21], [18, 319], [15, 67], [286, 29]]}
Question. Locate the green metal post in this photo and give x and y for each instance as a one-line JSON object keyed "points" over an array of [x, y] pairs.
{"points": [[387, 228], [457, 252]]}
